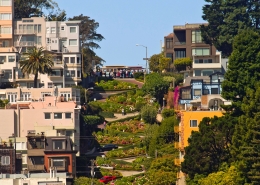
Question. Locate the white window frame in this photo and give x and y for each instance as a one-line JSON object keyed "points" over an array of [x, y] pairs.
{"points": [[196, 90], [46, 113], [70, 40], [72, 31], [5, 2], [5, 16], [5, 160], [53, 29], [192, 124], [55, 116]]}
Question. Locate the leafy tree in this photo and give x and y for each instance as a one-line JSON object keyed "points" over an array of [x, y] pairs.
{"points": [[154, 63], [164, 63], [86, 181], [226, 19], [241, 80], [57, 16], [155, 86], [159, 62], [28, 8], [209, 147], [36, 61], [163, 135], [163, 170], [227, 175], [149, 133], [89, 38], [93, 120], [149, 114], [168, 113], [3, 103]]}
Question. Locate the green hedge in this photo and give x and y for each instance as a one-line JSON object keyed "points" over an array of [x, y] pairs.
{"points": [[107, 114]]}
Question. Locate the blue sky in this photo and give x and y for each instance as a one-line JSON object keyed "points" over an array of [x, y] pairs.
{"points": [[125, 23]]}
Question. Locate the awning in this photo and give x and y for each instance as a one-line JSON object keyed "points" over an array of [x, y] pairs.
{"points": [[195, 101]]}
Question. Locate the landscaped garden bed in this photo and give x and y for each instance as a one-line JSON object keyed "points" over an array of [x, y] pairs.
{"points": [[121, 153], [114, 85]]}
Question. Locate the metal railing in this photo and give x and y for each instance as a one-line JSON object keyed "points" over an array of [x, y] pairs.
{"points": [[179, 43], [17, 31], [25, 43]]}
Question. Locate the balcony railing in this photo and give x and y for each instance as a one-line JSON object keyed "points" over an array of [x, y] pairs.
{"points": [[37, 167], [17, 31], [179, 43], [178, 161], [176, 145], [25, 43]]}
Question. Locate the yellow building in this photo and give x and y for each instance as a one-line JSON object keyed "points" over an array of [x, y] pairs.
{"points": [[6, 25]]}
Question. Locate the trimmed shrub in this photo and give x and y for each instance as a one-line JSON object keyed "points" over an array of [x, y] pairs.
{"points": [[107, 114], [93, 120], [168, 113], [149, 114]]}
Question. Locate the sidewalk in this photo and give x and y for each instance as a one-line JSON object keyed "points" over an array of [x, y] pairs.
{"points": [[120, 116]]}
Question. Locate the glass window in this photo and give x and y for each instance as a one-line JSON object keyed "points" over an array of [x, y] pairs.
{"points": [[200, 51], [196, 36], [207, 72], [69, 133], [72, 29], [6, 30], [48, 40], [47, 115], [66, 59], [73, 42], [180, 54], [39, 28], [67, 115], [205, 91], [5, 3], [5, 160], [72, 73], [193, 123], [57, 115], [78, 74], [58, 144], [57, 162], [53, 30], [197, 72], [169, 42], [5, 16], [197, 92], [169, 55], [2, 59], [62, 28], [72, 60], [8, 74], [11, 58], [214, 91], [39, 40], [47, 30], [78, 60], [185, 94]]}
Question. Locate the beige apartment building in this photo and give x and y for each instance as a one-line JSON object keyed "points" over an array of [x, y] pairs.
{"points": [[60, 38], [6, 25]]}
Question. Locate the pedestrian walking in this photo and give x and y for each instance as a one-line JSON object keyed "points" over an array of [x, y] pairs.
{"points": [[123, 112]]}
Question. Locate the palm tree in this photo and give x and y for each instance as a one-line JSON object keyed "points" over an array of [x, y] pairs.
{"points": [[36, 61]]}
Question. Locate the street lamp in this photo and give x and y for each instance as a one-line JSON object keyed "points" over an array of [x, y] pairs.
{"points": [[146, 70]]}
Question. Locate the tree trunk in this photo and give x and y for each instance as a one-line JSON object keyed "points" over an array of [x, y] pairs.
{"points": [[35, 80]]}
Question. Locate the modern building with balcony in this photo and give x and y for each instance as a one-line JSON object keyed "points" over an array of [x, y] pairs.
{"points": [[186, 41], [50, 153]]}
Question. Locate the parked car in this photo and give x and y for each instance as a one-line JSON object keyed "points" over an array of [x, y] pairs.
{"points": [[107, 179], [108, 147]]}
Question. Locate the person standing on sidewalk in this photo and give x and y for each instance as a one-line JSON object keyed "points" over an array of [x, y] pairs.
{"points": [[123, 112]]}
